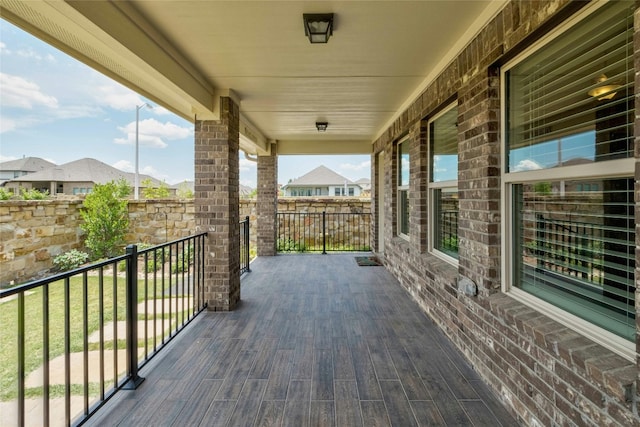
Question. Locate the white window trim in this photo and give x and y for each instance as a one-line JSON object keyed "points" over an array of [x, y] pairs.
{"points": [[400, 188], [434, 186], [432, 226], [621, 168]]}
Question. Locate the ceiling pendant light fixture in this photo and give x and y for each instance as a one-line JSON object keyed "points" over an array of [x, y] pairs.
{"points": [[318, 27], [605, 91], [322, 126]]}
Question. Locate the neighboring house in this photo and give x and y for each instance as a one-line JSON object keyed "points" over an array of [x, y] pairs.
{"points": [[181, 188], [322, 181], [73, 178], [245, 191], [365, 184], [13, 169]]}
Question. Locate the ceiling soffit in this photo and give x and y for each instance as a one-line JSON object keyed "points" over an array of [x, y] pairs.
{"points": [[184, 55]]}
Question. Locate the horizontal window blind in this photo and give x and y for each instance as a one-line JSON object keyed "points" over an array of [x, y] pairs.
{"points": [[579, 83], [443, 134], [576, 249]]}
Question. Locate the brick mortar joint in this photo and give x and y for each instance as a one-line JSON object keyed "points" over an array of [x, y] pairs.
{"points": [[555, 348]]}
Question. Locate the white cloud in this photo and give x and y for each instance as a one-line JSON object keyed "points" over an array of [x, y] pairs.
{"points": [[7, 158], [4, 50], [526, 165], [7, 124], [362, 166], [128, 166], [117, 97], [124, 165], [151, 171], [143, 140], [33, 55], [152, 133], [21, 93], [161, 111], [247, 165]]}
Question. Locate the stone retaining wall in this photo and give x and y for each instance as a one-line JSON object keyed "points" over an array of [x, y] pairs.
{"points": [[34, 232]]}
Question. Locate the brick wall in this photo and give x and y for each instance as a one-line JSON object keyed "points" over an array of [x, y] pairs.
{"points": [[216, 192], [267, 196], [546, 373]]}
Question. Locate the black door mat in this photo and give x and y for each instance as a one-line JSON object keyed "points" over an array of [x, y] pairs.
{"points": [[368, 261]]}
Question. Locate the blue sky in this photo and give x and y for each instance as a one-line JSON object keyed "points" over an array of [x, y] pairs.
{"points": [[54, 107]]}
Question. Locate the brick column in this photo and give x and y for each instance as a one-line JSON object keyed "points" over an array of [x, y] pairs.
{"points": [[418, 186], [479, 181], [217, 204], [267, 204]]}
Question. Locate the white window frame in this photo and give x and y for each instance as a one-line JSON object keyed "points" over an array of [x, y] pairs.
{"points": [[400, 188], [431, 199], [621, 168]]}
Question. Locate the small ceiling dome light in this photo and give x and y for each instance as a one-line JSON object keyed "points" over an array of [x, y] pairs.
{"points": [[605, 91], [322, 126], [318, 27]]}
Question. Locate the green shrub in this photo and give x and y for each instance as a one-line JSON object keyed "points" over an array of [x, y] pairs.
{"points": [[106, 220], [70, 260], [150, 192], [183, 260], [184, 192], [290, 245], [123, 189], [155, 258], [33, 194], [5, 194]]}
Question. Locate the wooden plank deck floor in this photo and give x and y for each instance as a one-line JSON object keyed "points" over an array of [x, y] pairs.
{"points": [[316, 341]]}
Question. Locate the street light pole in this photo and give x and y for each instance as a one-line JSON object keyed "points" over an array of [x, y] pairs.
{"points": [[136, 183]]}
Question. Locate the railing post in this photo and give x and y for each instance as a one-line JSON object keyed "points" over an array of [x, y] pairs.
{"points": [[246, 241], [324, 233], [132, 319]]}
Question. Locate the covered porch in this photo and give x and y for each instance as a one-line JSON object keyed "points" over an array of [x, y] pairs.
{"points": [[316, 340]]}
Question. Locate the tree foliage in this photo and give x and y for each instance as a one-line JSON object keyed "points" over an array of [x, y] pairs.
{"points": [[150, 192], [106, 220], [184, 191]]}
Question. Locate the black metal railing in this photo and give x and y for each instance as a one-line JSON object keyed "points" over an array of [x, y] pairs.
{"points": [[83, 335], [323, 232], [448, 231], [245, 256], [570, 248]]}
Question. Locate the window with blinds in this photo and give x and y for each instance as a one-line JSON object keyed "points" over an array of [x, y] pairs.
{"points": [[571, 102], [403, 188], [443, 151], [576, 248], [570, 107]]}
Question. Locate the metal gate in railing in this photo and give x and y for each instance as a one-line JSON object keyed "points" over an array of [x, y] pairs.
{"points": [[323, 232]]}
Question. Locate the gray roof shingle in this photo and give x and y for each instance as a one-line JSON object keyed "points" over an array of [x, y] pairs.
{"points": [[83, 170], [320, 176], [26, 164]]}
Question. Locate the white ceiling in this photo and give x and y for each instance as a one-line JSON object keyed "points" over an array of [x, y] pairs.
{"points": [[184, 54]]}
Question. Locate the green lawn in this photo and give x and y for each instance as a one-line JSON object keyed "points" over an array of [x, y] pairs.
{"points": [[34, 326]]}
